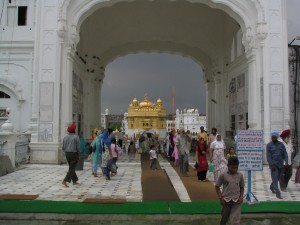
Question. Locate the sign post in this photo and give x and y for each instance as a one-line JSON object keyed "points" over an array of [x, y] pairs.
{"points": [[249, 146]]}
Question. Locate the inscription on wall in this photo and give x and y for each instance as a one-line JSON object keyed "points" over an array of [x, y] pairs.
{"points": [[46, 132], [276, 95]]}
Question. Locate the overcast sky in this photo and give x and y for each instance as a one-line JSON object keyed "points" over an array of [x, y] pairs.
{"points": [[155, 74]]}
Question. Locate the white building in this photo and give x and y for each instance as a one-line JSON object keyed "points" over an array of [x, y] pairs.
{"points": [[104, 119], [125, 123], [189, 119], [169, 125], [53, 55]]}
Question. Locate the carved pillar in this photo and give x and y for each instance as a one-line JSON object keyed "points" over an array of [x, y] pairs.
{"points": [[218, 102], [261, 33], [67, 87], [45, 143], [253, 91], [225, 100], [33, 125], [68, 41], [210, 105]]}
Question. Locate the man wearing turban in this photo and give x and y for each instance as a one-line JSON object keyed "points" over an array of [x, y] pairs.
{"points": [[276, 154], [71, 147], [287, 170]]}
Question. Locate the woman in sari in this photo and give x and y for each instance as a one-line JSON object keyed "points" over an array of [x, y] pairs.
{"points": [[216, 155], [201, 148]]}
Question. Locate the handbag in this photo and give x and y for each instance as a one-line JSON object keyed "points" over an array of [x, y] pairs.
{"points": [[211, 167], [196, 165]]}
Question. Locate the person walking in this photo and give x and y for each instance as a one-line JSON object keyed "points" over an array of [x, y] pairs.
{"points": [[202, 134], [201, 159], [171, 145], [97, 156], [287, 170], [116, 151], [143, 142], [182, 145], [175, 153], [106, 154], [276, 154], [71, 147], [189, 143], [232, 193], [217, 156], [153, 158], [212, 136]]}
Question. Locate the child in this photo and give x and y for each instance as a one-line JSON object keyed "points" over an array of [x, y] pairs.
{"points": [[231, 197], [116, 151], [153, 157], [231, 153], [201, 160]]}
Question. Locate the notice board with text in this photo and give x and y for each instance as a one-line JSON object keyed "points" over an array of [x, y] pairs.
{"points": [[250, 148]]}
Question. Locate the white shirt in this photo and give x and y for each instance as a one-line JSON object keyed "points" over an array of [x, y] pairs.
{"points": [[152, 154], [289, 150]]}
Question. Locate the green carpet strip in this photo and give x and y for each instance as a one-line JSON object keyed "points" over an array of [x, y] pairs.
{"points": [[39, 206]]}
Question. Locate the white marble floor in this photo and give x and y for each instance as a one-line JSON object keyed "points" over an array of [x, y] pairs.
{"points": [[45, 180]]}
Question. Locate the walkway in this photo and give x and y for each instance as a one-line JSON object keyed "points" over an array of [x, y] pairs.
{"points": [[45, 181]]}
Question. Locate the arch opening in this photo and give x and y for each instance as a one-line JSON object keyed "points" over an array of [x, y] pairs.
{"points": [[175, 27]]}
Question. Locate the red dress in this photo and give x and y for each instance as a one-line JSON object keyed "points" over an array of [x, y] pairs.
{"points": [[202, 160]]}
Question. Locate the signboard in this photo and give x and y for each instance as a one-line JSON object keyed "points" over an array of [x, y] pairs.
{"points": [[249, 145]]}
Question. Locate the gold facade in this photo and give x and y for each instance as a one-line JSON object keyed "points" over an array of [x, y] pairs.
{"points": [[146, 115]]}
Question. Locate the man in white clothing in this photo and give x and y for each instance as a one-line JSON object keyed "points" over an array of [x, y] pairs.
{"points": [[287, 171]]}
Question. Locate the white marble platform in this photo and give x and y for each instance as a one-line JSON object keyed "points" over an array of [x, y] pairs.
{"points": [[45, 180]]}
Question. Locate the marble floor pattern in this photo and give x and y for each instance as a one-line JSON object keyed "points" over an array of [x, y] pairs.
{"points": [[45, 181]]}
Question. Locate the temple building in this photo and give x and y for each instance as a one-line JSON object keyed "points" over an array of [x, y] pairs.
{"points": [[191, 120], [145, 116], [54, 55]]}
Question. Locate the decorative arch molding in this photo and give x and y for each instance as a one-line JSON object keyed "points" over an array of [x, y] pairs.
{"points": [[75, 12], [160, 47], [10, 84]]}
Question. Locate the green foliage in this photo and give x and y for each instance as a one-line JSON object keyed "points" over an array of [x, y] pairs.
{"points": [[115, 125]]}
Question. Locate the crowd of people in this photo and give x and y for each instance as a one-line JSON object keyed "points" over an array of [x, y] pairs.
{"points": [[103, 152], [210, 151]]}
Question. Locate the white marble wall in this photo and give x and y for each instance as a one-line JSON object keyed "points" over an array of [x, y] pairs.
{"points": [[36, 68]]}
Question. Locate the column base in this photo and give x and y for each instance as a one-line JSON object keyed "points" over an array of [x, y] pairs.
{"points": [[43, 152]]}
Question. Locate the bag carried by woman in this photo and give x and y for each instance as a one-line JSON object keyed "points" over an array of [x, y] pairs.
{"points": [[211, 167]]}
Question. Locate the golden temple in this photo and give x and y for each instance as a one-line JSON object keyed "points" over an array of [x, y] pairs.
{"points": [[146, 115]]}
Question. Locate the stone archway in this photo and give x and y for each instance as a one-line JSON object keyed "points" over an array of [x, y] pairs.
{"points": [[239, 37], [94, 13]]}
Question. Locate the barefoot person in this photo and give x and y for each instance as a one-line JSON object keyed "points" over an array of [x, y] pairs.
{"points": [[276, 155], [232, 193], [71, 147]]}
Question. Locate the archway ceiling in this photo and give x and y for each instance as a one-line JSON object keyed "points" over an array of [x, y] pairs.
{"points": [[190, 29]]}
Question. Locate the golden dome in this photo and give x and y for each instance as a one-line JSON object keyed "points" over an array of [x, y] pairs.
{"points": [[135, 100], [145, 102], [159, 100]]}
